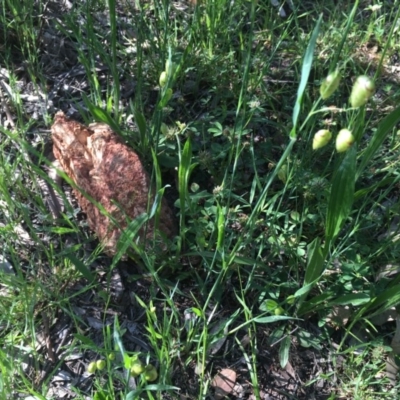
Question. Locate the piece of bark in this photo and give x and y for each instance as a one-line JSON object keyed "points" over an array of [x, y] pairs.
{"points": [[111, 174]]}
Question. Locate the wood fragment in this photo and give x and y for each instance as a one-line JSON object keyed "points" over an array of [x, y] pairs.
{"points": [[109, 173]]}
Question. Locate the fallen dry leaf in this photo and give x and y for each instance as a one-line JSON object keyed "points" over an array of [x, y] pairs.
{"points": [[111, 174], [224, 382]]}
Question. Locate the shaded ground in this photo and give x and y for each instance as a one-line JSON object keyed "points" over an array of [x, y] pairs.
{"points": [[305, 365], [303, 377]]}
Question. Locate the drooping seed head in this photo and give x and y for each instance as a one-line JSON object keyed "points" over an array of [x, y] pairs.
{"points": [[363, 89], [321, 139], [163, 79], [329, 85], [344, 140]]}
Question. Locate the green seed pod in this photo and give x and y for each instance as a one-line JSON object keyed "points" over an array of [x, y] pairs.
{"points": [[321, 139], [344, 140], [111, 356], [136, 368], [279, 311], [363, 89], [163, 79], [100, 364], [92, 367], [150, 373], [329, 84]]}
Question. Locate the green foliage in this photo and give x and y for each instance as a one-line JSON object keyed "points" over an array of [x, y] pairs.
{"points": [[274, 236]]}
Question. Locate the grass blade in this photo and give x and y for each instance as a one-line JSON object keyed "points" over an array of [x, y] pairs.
{"points": [[141, 123], [305, 73], [114, 55], [81, 267], [315, 261], [385, 300], [100, 115], [342, 195], [384, 129], [183, 175]]}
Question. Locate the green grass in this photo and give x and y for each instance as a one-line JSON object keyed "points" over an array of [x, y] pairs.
{"points": [[274, 237]]}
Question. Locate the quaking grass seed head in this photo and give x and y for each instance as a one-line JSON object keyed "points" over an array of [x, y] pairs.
{"points": [[92, 367], [163, 79], [362, 91], [321, 139], [150, 373], [344, 140], [329, 85], [136, 368], [100, 364]]}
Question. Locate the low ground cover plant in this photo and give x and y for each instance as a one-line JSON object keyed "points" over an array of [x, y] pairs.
{"points": [[273, 139]]}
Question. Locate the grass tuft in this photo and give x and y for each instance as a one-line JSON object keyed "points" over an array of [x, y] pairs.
{"points": [[287, 245]]}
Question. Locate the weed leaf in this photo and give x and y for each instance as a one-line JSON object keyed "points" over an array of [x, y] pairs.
{"points": [[305, 73], [272, 318], [355, 299], [141, 123], [315, 261], [81, 267], [284, 351], [342, 195]]}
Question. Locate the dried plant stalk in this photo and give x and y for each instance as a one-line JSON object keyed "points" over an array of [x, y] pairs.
{"points": [[110, 173]]}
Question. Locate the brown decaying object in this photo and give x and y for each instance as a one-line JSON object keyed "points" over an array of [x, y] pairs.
{"points": [[110, 173]]}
